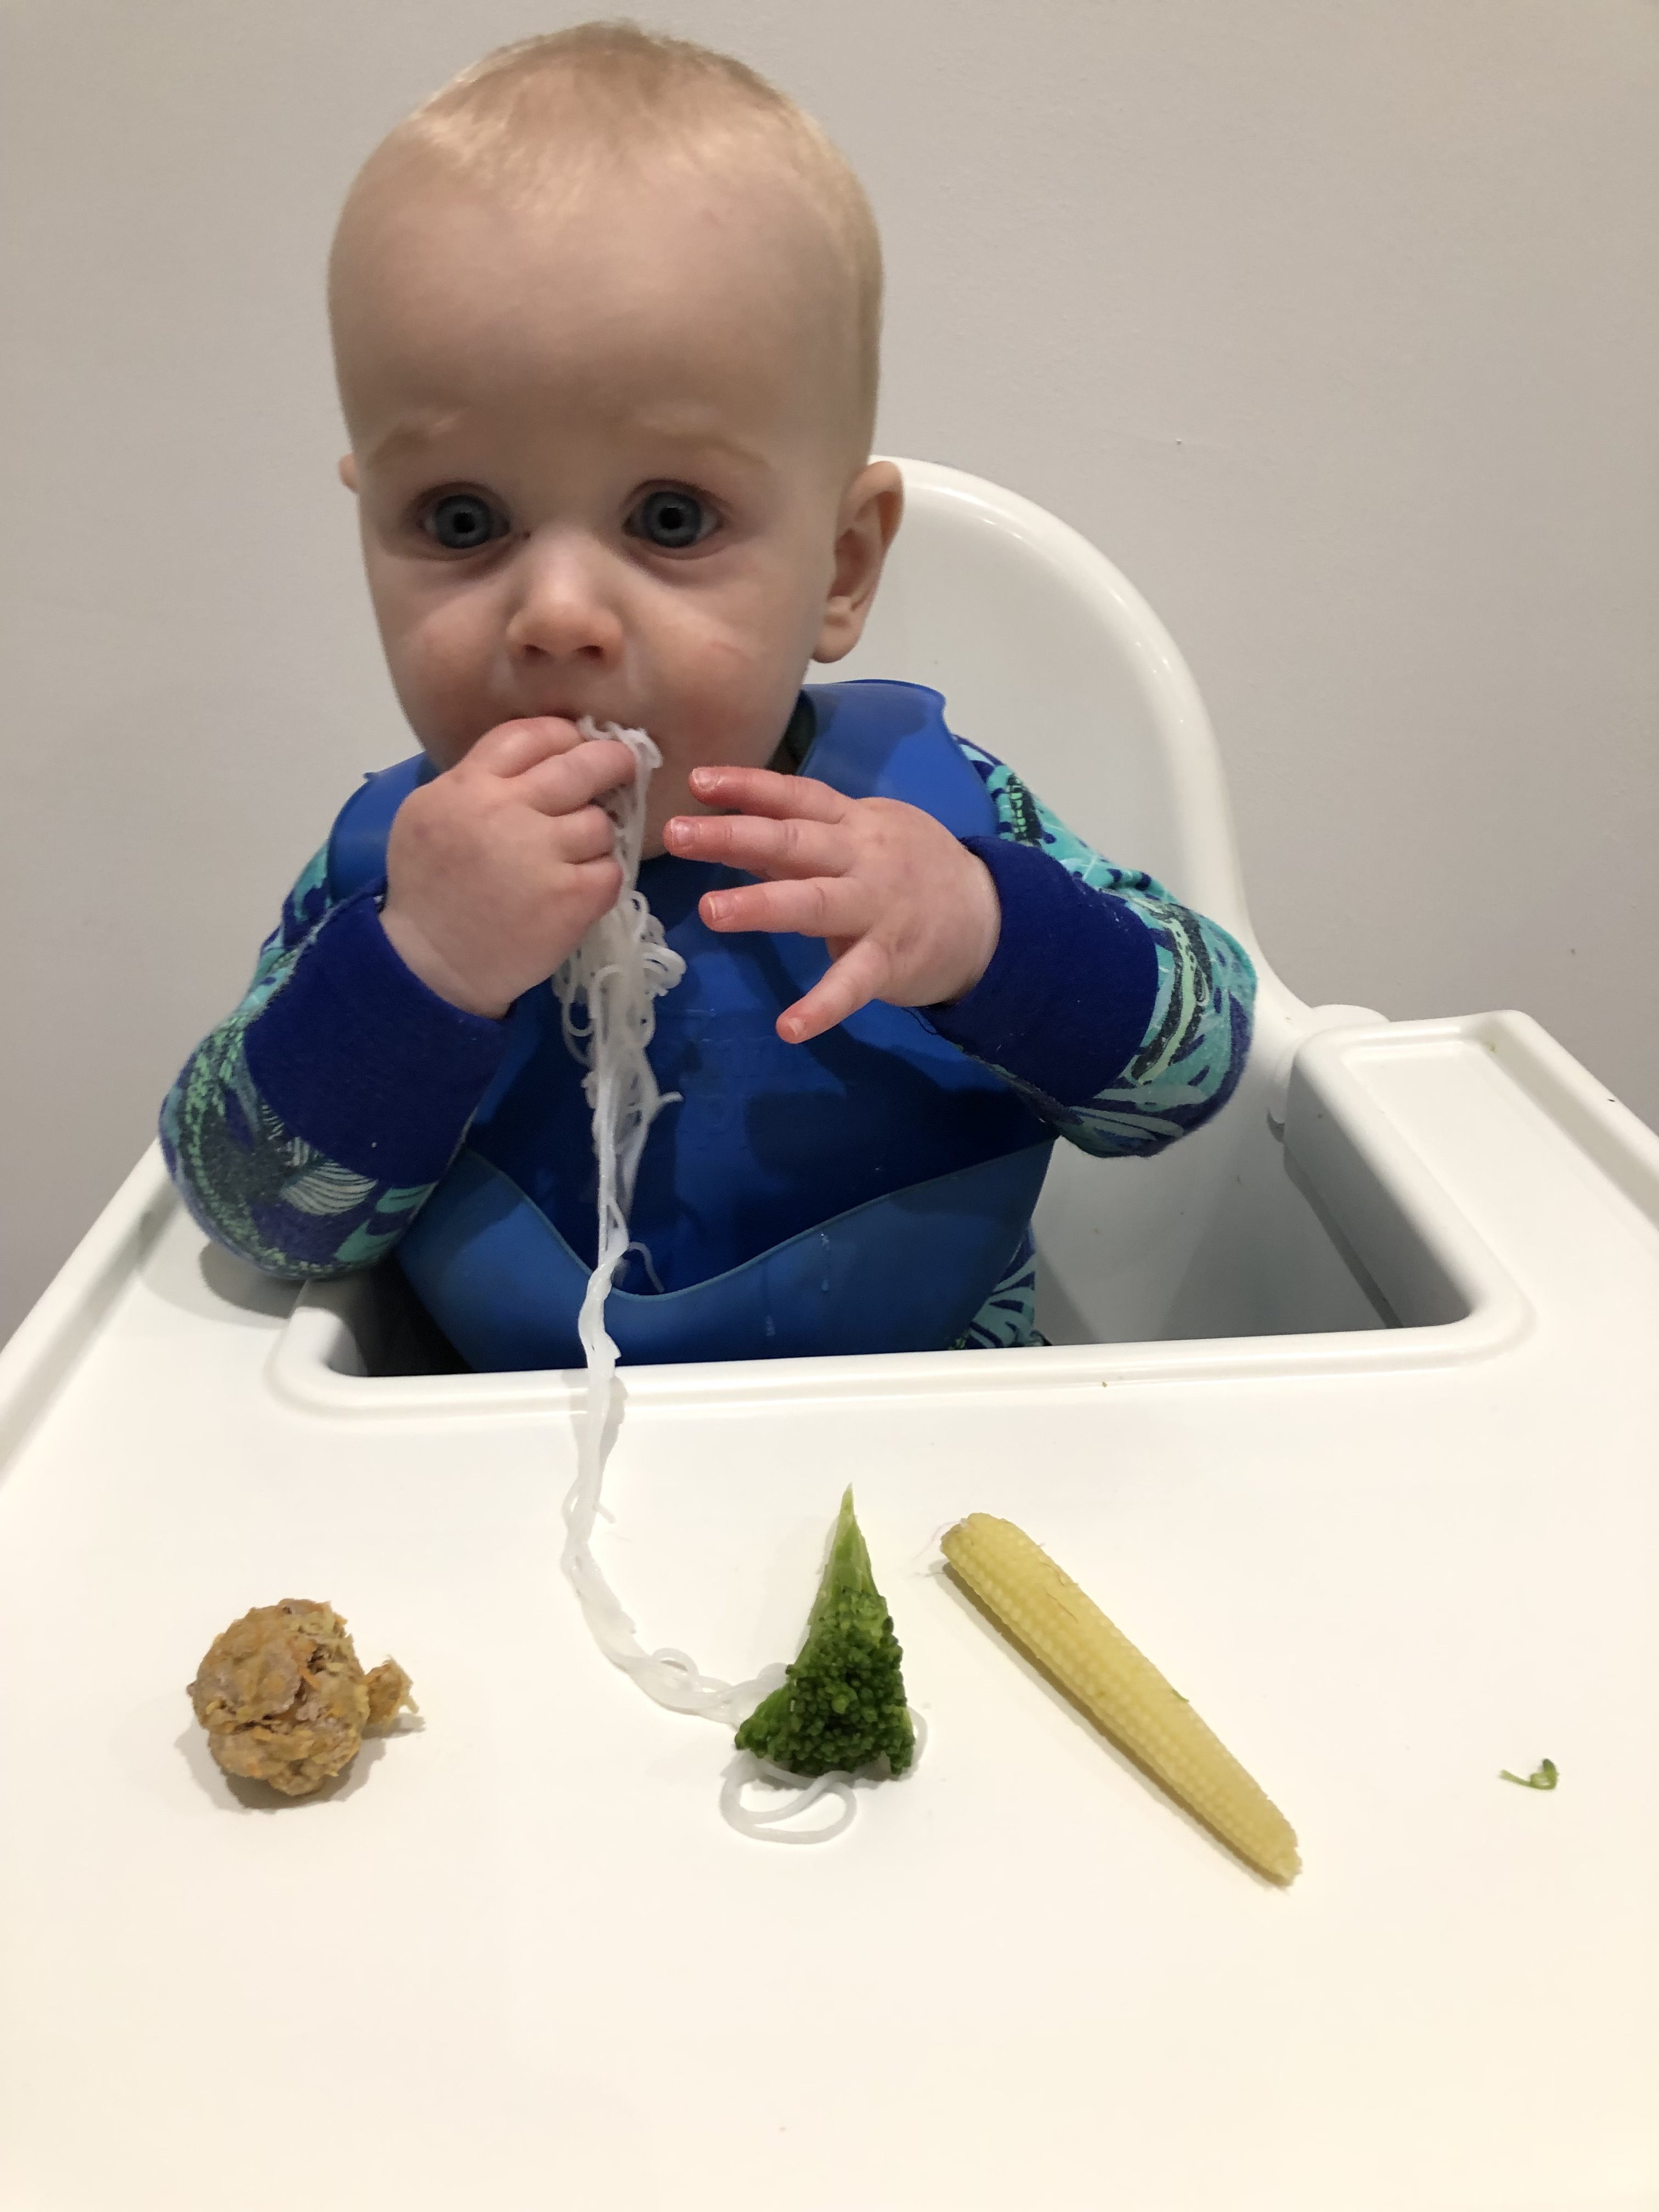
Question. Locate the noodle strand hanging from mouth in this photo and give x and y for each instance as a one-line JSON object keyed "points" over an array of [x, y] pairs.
{"points": [[607, 991]]}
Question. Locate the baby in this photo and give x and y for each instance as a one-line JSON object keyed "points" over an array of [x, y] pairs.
{"points": [[605, 315]]}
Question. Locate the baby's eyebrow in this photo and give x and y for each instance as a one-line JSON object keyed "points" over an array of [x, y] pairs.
{"points": [[695, 438], [690, 440], [413, 431]]}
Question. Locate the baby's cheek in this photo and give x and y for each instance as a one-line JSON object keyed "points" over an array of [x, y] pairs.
{"points": [[731, 703], [441, 670]]}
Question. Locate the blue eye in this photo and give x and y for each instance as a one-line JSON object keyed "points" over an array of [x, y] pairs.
{"points": [[462, 520], [672, 519]]}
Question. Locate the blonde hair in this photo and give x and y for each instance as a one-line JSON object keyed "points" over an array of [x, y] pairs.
{"points": [[553, 111]]}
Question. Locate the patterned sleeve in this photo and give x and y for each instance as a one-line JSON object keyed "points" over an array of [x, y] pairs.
{"points": [[1187, 988], [307, 1129]]}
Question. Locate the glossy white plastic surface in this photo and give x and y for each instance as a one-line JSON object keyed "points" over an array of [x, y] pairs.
{"points": [[1051, 659], [1352, 1429]]}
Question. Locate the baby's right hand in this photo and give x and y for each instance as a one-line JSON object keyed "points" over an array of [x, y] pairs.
{"points": [[495, 869]]}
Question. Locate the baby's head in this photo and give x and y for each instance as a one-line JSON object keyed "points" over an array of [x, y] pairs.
{"points": [[605, 316]]}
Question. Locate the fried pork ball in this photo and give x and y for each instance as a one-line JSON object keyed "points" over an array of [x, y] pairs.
{"points": [[283, 1699]]}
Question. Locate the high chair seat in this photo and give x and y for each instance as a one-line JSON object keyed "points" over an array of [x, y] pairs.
{"points": [[1051, 659]]}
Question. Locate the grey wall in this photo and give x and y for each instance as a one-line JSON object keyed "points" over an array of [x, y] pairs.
{"points": [[1335, 322]]}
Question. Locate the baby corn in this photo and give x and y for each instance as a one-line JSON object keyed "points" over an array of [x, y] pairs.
{"points": [[1040, 1608]]}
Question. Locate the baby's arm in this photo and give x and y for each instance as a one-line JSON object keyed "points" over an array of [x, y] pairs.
{"points": [[307, 1129], [1122, 1017]]}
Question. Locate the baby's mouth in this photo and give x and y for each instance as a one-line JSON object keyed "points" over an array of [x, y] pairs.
{"points": [[566, 711]]}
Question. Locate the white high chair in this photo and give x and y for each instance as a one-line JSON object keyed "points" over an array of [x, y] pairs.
{"points": [[1348, 1420]]}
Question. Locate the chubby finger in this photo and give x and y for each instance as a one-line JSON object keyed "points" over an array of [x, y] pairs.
{"points": [[849, 983], [598, 886], [566, 780], [758, 844], [511, 747], [820, 906], [588, 834], [763, 791]]}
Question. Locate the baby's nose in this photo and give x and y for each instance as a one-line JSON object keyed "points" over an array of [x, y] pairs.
{"points": [[564, 611]]}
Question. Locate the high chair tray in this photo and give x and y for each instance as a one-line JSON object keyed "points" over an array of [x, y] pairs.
{"points": [[517, 1961]]}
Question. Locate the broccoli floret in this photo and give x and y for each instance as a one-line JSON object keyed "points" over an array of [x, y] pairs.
{"points": [[842, 1703]]}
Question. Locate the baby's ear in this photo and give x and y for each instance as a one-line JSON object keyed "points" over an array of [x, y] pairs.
{"points": [[348, 471], [871, 511]]}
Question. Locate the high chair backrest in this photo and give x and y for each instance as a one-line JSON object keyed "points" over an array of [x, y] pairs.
{"points": [[1050, 659]]}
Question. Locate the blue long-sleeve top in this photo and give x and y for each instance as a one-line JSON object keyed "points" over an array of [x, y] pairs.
{"points": [[307, 1129]]}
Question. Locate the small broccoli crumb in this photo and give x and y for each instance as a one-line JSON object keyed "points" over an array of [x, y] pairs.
{"points": [[1543, 1777], [842, 1705]]}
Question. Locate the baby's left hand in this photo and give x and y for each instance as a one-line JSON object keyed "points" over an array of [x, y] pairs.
{"points": [[909, 914]]}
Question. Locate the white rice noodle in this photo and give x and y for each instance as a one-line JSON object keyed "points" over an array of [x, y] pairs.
{"points": [[766, 1827], [607, 991], [746, 1772]]}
